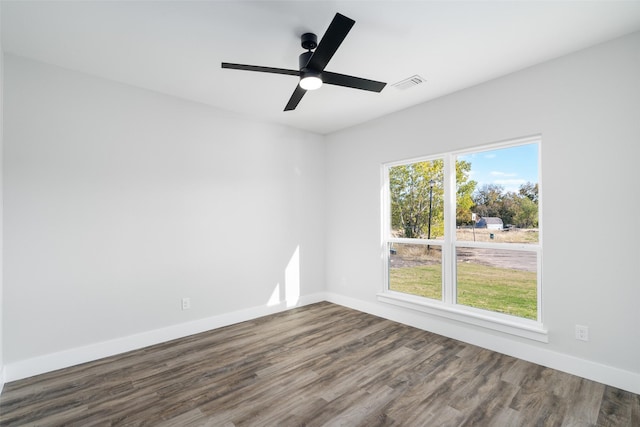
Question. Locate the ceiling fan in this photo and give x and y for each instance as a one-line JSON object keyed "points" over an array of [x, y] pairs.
{"points": [[312, 64]]}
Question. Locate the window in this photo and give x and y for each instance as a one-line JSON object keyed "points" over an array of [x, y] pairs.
{"points": [[462, 236]]}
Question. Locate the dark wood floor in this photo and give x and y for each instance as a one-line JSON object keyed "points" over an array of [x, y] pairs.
{"points": [[318, 365]]}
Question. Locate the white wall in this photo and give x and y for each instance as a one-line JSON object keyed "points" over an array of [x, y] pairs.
{"points": [[587, 108], [2, 377], [120, 201]]}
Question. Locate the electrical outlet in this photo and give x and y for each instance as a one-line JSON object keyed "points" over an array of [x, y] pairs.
{"points": [[186, 303], [582, 333]]}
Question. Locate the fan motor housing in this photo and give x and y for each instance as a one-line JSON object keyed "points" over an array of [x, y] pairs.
{"points": [[304, 58]]}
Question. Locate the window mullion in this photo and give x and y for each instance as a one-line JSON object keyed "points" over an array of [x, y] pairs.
{"points": [[448, 253]]}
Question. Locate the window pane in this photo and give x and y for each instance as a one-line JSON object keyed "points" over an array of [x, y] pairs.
{"points": [[416, 269], [416, 192], [498, 280], [497, 195]]}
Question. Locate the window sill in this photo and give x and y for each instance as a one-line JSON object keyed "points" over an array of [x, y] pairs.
{"points": [[495, 321]]}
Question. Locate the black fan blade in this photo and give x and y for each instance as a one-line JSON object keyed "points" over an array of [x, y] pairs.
{"points": [[353, 82], [261, 69], [331, 41], [295, 98]]}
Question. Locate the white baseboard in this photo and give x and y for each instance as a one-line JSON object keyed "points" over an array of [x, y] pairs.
{"points": [[598, 372], [2, 378], [75, 356], [609, 375]]}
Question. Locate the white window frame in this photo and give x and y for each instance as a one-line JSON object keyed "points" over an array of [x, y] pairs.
{"points": [[514, 325]]}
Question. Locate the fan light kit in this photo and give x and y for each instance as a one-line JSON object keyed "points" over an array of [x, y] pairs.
{"points": [[310, 82], [312, 63]]}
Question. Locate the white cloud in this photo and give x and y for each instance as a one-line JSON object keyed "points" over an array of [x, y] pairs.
{"points": [[498, 173], [510, 184]]}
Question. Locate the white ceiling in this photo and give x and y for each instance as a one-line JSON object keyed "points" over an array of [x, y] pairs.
{"points": [[176, 47]]}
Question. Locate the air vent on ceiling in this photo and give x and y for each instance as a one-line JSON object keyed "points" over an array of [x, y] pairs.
{"points": [[409, 82]]}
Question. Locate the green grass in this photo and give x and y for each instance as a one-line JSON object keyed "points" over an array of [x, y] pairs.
{"points": [[424, 281], [495, 289]]}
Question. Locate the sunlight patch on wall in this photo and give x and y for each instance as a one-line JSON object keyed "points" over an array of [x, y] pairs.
{"points": [[292, 279], [274, 299]]}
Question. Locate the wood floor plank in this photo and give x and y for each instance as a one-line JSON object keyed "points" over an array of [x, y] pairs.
{"points": [[619, 407], [585, 410], [319, 365]]}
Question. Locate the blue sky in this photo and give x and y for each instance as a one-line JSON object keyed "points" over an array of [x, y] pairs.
{"points": [[509, 167]]}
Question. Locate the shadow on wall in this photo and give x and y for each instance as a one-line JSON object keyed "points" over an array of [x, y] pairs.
{"points": [[290, 292]]}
